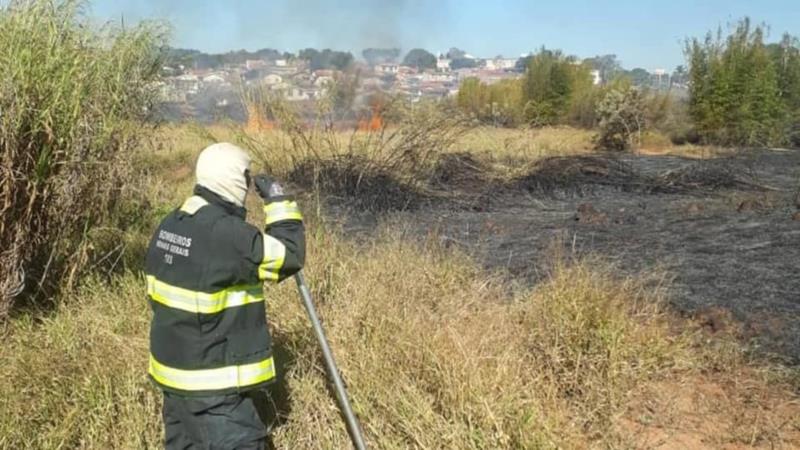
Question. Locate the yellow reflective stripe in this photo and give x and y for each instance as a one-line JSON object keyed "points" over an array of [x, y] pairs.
{"points": [[193, 204], [213, 379], [274, 256], [285, 210], [202, 302]]}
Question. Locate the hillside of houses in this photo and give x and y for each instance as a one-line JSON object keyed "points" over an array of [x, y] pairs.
{"points": [[208, 88]]}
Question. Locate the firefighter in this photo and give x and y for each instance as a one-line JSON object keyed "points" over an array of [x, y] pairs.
{"points": [[210, 348]]}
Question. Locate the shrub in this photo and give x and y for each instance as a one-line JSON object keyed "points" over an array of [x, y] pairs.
{"points": [[405, 148], [622, 119], [72, 99]]}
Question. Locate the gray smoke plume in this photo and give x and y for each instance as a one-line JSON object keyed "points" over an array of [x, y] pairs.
{"points": [[294, 24]]}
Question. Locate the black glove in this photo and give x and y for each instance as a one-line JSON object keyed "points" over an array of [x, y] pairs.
{"points": [[268, 189]]}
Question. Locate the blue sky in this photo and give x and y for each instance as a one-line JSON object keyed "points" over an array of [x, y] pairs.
{"points": [[641, 33]]}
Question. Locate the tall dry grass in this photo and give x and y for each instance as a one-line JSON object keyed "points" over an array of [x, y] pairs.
{"points": [[72, 97], [436, 354]]}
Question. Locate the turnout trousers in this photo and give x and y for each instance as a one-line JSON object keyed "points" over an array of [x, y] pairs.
{"points": [[228, 422]]}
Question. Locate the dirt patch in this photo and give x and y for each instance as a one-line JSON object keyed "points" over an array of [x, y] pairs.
{"points": [[694, 208], [715, 319], [725, 411], [589, 215]]}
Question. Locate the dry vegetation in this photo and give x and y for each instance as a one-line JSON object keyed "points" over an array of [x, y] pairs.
{"points": [[72, 100], [437, 353]]}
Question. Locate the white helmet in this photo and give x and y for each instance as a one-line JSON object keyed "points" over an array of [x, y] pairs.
{"points": [[221, 169]]}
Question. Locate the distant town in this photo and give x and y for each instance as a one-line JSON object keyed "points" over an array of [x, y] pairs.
{"points": [[205, 87]]}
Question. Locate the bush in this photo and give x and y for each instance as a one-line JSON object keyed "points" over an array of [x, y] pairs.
{"points": [[498, 104], [735, 88], [622, 119], [404, 148], [72, 98]]}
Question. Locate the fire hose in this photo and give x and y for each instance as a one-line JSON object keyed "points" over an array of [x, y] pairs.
{"points": [[353, 427]]}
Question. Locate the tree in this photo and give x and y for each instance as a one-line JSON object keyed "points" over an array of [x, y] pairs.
{"points": [[639, 77], [456, 53], [326, 59], [608, 66], [548, 86], [680, 75], [735, 95], [498, 104], [463, 63], [375, 56], [472, 96], [523, 63], [786, 57], [420, 58]]}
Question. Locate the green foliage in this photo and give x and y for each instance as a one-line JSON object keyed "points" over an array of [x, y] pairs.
{"points": [[608, 66], [499, 104], [639, 77], [555, 90], [420, 58], [549, 85], [72, 102], [786, 57], [456, 53], [736, 97], [326, 59], [622, 118], [463, 63], [199, 60]]}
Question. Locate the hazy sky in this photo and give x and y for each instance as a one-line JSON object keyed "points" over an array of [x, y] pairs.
{"points": [[641, 33]]}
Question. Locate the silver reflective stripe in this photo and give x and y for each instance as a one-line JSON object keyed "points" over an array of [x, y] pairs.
{"points": [[202, 302], [285, 210], [193, 204], [274, 257], [212, 379]]}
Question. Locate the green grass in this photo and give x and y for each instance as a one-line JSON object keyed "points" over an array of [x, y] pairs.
{"points": [[73, 98]]}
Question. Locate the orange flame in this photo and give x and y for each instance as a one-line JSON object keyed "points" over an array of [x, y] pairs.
{"points": [[256, 121], [375, 122]]}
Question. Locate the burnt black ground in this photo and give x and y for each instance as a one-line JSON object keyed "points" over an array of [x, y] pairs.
{"points": [[747, 262]]}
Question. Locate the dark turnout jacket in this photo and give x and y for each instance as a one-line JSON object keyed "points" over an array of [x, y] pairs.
{"points": [[205, 271]]}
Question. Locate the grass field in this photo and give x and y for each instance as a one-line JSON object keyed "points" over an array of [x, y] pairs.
{"points": [[437, 352]]}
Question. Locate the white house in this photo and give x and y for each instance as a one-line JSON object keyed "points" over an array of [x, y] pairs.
{"points": [[596, 78], [296, 94], [253, 64], [387, 69], [187, 82], [500, 63], [323, 81], [214, 78], [272, 79], [443, 64]]}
